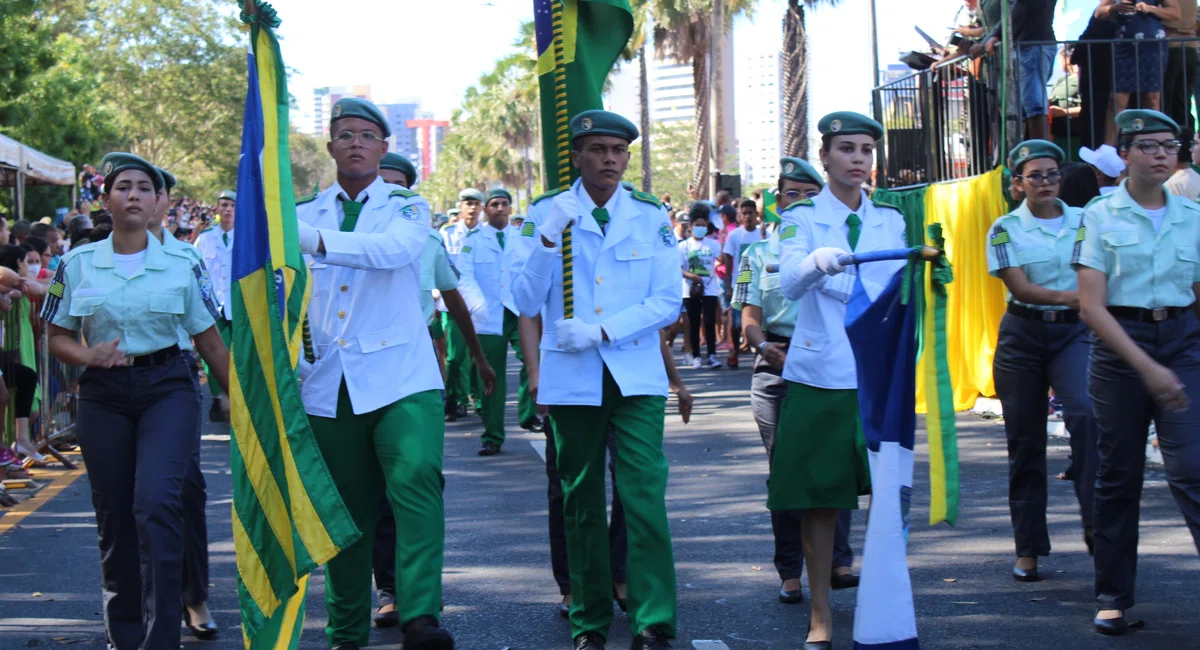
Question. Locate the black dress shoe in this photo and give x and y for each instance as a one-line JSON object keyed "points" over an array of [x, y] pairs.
{"points": [[818, 645], [589, 641], [651, 638], [1024, 575], [1110, 626], [533, 424], [215, 414], [387, 619], [790, 597], [843, 581], [489, 449], [460, 410], [204, 631], [423, 633]]}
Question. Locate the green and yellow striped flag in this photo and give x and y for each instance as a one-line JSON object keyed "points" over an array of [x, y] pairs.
{"points": [[287, 515], [770, 207]]}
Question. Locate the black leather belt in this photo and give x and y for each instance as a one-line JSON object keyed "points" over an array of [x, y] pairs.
{"points": [[1147, 315], [775, 338], [1044, 315], [159, 358]]}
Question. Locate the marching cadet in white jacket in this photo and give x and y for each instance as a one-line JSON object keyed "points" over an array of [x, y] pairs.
{"points": [[485, 263], [603, 368], [820, 460], [373, 395]]}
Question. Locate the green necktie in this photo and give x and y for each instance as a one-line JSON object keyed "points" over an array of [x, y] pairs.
{"points": [[225, 238], [500, 238], [351, 210], [855, 229], [601, 217]]}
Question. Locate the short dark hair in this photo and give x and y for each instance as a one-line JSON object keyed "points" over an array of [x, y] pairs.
{"points": [[699, 210], [11, 255], [826, 138], [22, 226], [1079, 185], [41, 229], [748, 203], [38, 244]]}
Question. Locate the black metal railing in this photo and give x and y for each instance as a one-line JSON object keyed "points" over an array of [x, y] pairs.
{"points": [[955, 119]]}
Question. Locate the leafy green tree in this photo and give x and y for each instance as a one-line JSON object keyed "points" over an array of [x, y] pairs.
{"points": [[671, 160], [311, 165]]}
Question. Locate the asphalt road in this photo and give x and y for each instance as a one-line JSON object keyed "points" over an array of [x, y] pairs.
{"points": [[500, 593]]}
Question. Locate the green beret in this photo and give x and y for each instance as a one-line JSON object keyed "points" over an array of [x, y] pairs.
{"points": [[849, 123], [398, 163], [497, 193], [602, 123], [362, 109], [227, 194], [796, 169], [453, 212], [470, 194], [1140, 120], [1032, 150], [118, 161], [168, 179]]}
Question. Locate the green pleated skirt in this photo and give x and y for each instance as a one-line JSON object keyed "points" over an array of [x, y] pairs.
{"points": [[820, 458]]}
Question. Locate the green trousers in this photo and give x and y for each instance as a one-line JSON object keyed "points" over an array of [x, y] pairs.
{"points": [[460, 371], [581, 432], [225, 329], [399, 445], [495, 350]]}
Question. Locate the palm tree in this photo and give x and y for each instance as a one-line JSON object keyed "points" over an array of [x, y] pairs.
{"points": [[636, 49], [683, 31], [794, 56]]}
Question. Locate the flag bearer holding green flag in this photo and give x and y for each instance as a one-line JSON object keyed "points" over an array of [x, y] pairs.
{"points": [[364, 239], [603, 368]]}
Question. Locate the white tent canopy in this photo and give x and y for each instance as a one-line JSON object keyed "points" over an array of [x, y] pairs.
{"points": [[21, 165]]}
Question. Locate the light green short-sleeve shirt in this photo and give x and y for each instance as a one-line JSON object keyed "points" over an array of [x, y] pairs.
{"points": [[1023, 241], [759, 287], [436, 273], [1146, 267], [145, 310]]}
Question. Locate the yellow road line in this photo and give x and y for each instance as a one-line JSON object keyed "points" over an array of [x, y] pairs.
{"points": [[19, 512]]}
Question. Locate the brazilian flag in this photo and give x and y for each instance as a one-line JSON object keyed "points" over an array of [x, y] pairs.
{"points": [[578, 41], [287, 515]]}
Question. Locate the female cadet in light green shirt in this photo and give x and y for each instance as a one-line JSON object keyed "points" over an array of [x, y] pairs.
{"points": [[1041, 344], [129, 297], [1138, 264]]}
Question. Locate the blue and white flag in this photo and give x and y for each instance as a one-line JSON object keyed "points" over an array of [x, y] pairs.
{"points": [[883, 334]]}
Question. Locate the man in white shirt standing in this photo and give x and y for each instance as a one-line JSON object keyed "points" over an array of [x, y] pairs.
{"points": [[747, 233], [215, 246]]}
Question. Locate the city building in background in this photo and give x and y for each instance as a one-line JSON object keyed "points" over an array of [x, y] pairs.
{"points": [[760, 124], [325, 98]]}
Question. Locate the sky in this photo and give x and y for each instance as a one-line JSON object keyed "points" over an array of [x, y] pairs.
{"points": [[435, 49]]}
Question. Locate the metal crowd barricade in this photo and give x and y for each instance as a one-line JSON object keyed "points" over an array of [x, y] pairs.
{"points": [[60, 398], [939, 124], [953, 120]]}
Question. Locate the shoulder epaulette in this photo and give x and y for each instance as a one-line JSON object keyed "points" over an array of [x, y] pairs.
{"points": [[548, 195], [805, 202], [880, 204], [645, 197], [473, 232], [1102, 197], [403, 193], [308, 199]]}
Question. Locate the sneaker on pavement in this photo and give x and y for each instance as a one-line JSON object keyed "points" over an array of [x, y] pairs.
{"points": [[713, 362], [697, 363], [688, 359]]}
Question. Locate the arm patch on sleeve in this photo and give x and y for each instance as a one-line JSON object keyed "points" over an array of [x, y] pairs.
{"points": [[788, 233]]}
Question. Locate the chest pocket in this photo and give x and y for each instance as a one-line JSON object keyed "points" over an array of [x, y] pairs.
{"points": [[487, 263], [1119, 245], [85, 305], [1038, 263], [1185, 269], [633, 262], [166, 303], [768, 282]]}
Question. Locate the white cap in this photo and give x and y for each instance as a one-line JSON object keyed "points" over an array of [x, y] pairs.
{"points": [[1105, 158]]}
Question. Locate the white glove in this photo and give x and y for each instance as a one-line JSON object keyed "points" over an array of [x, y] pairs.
{"points": [[564, 210], [826, 260], [575, 335], [310, 239]]}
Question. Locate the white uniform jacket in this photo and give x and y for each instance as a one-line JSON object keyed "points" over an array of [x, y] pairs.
{"points": [[627, 280], [218, 257], [365, 313], [486, 277], [820, 353]]}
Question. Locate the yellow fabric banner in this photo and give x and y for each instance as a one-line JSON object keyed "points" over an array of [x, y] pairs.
{"points": [[975, 303]]}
